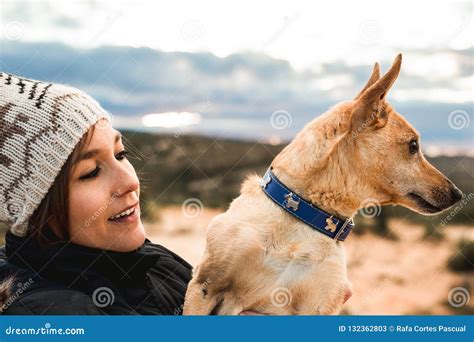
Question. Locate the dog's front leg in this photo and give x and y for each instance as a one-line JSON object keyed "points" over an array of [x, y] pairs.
{"points": [[205, 289], [329, 288], [198, 301]]}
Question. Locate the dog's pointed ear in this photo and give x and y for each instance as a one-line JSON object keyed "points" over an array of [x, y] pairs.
{"points": [[373, 78], [367, 111]]}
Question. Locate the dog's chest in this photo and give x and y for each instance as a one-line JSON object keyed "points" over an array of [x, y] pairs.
{"points": [[291, 262]]}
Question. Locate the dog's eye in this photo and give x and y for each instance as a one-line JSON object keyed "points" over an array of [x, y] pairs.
{"points": [[413, 146]]}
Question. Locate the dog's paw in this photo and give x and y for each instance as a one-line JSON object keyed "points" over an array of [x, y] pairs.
{"points": [[332, 302], [347, 295]]}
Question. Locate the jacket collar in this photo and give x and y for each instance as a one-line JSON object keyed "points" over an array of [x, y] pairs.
{"points": [[69, 261], [321, 221]]}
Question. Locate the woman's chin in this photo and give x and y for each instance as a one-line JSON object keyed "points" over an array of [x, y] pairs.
{"points": [[130, 239]]}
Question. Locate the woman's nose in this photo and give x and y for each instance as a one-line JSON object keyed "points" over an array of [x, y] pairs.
{"points": [[127, 181]]}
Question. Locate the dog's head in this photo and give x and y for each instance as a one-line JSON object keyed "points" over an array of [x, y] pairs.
{"points": [[388, 148], [363, 149]]}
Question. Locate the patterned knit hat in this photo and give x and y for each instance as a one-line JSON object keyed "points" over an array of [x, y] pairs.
{"points": [[40, 124]]}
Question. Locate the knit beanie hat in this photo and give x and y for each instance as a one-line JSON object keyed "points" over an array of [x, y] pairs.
{"points": [[40, 124]]}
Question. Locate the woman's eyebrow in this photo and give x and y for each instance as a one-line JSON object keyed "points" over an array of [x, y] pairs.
{"points": [[94, 152]]}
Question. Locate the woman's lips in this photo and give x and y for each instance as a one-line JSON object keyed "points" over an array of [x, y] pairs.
{"points": [[131, 218]]}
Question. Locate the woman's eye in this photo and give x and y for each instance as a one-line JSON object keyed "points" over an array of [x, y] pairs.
{"points": [[413, 146], [121, 155], [93, 174]]}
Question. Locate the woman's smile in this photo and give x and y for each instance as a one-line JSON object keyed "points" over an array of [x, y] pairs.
{"points": [[128, 216]]}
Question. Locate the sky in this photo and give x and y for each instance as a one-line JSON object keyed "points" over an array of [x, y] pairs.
{"points": [[234, 64]]}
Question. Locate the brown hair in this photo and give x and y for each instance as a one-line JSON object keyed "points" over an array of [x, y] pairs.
{"points": [[52, 215]]}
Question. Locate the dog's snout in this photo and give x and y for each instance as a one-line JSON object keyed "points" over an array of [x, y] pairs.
{"points": [[452, 193], [456, 194]]}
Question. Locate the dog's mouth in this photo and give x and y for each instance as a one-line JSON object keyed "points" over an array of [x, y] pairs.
{"points": [[424, 204]]}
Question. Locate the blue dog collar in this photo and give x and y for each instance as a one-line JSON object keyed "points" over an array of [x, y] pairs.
{"points": [[303, 210]]}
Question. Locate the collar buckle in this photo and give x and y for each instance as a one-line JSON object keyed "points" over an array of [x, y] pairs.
{"points": [[346, 222]]}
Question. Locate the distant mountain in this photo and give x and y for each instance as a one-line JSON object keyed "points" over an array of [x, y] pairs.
{"points": [[175, 168]]}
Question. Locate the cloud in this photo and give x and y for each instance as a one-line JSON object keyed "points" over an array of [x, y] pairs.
{"points": [[242, 87]]}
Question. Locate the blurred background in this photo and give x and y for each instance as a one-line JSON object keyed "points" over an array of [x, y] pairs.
{"points": [[208, 92]]}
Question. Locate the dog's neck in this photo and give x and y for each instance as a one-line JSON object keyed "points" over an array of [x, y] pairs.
{"points": [[313, 168], [324, 191]]}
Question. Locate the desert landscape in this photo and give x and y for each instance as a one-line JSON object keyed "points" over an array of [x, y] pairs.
{"points": [[405, 276]]}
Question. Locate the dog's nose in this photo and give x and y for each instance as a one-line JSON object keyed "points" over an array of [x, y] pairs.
{"points": [[456, 194]]}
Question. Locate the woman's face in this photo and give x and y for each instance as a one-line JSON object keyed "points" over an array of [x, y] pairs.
{"points": [[102, 185]]}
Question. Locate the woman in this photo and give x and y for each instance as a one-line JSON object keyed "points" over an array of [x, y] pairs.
{"points": [[76, 244]]}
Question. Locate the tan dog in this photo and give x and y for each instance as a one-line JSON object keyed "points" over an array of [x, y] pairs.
{"points": [[261, 259]]}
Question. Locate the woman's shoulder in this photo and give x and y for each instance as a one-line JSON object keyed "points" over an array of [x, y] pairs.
{"points": [[166, 254], [51, 302], [22, 292], [168, 279], [169, 265]]}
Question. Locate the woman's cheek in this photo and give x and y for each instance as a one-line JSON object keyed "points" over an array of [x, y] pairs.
{"points": [[87, 211]]}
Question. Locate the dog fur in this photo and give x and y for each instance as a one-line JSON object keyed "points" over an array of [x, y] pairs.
{"points": [[260, 259]]}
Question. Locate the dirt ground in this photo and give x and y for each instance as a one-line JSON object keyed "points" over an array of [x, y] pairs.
{"points": [[406, 276]]}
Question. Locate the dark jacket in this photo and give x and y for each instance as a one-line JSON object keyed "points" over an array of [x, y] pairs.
{"points": [[66, 278]]}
